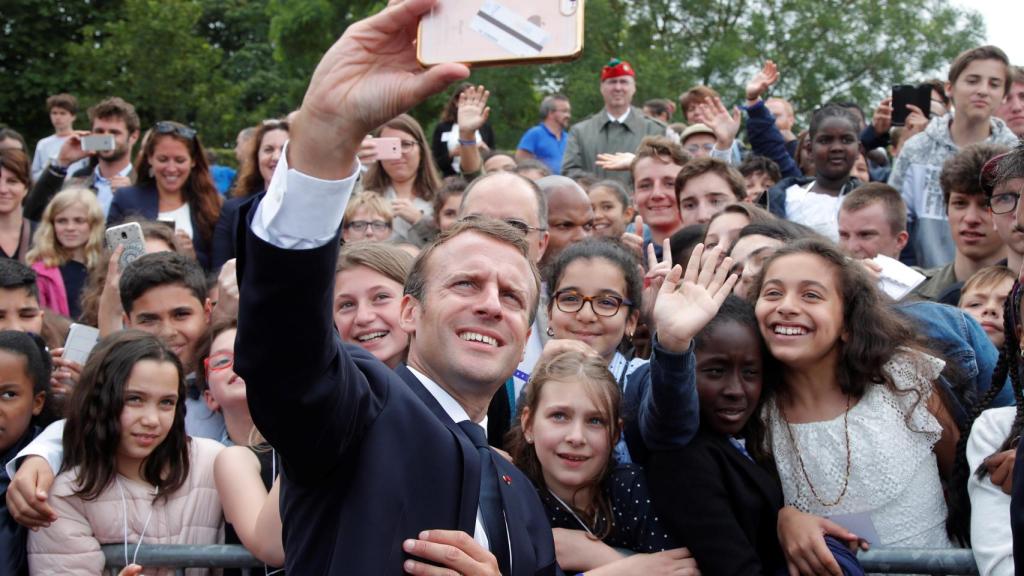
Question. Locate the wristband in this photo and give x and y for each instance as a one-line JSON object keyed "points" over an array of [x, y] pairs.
{"points": [[467, 142]]}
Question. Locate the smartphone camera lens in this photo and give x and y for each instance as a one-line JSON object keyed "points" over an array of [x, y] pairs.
{"points": [[124, 235]]}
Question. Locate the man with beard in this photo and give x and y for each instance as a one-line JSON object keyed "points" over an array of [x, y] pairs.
{"points": [[105, 172], [546, 141]]}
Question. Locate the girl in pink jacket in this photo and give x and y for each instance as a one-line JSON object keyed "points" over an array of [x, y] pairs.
{"points": [[130, 473]]}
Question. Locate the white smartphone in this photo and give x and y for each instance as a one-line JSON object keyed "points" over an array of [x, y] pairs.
{"points": [[80, 342], [130, 236], [501, 32], [98, 143]]}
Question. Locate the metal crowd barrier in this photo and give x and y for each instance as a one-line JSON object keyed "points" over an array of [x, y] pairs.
{"points": [[951, 562]]}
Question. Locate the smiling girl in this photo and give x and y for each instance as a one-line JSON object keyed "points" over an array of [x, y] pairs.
{"points": [[568, 425], [68, 247], [368, 290], [858, 424], [130, 473]]}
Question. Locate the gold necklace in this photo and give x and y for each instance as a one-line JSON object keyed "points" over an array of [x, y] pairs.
{"points": [[800, 459]]}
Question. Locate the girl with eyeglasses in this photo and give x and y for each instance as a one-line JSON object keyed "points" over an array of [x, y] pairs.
{"points": [[367, 217], [245, 471], [174, 183], [409, 183], [262, 155], [130, 475]]}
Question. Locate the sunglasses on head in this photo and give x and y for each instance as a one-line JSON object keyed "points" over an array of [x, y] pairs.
{"points": [[174, 128]]}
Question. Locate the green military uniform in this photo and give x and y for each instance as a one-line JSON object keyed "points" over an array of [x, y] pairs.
{"points": [[599, 135]]}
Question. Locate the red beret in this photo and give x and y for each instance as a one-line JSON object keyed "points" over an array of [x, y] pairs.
{"points": [[615, 68]]}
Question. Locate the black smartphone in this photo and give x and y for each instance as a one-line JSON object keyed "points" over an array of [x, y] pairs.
{"points": [[903, 94]]}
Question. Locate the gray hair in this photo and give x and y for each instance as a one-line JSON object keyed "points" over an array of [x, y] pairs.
{"points": [[547, 105]]}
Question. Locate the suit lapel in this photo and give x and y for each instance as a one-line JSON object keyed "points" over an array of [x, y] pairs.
{"points": [[471, 461], [515, 519]]}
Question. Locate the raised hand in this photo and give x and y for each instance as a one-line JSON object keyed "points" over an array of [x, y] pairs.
{"points": [[635, 240], [916, 122], [881, 121], [686, 303], [763, 80], [724, 124], [369, 76], [473, 110], [653, 279], [71, 150]]}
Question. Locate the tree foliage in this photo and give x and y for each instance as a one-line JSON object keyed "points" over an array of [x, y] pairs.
{"points": [[225, 64]]}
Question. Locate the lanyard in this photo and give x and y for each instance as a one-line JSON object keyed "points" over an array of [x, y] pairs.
{"points": [[573, 512]]}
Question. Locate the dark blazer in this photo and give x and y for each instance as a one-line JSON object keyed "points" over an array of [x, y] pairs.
{"points": [[144, 201], [720, 505], [369, 457], [1017, 511], [225, 233]]}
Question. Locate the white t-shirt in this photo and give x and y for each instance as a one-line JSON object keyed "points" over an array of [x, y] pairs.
{"points": [[817, 211], [182, 218]]}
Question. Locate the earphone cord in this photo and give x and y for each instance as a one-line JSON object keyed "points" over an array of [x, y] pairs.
{"points": [[145, 526]]}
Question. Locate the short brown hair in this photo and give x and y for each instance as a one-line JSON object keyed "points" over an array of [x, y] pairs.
{"points": [[17, 163], [961, 172], [987, 277], [663, 148], [415, 284], [381, 257], [701, 166], [63, 101], [115, 107], [892, 203], [987, 52], [1017, 74], [696, 95]]}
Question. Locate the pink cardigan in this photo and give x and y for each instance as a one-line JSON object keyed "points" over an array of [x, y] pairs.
{"points": [[71, 545], [52, 293]]}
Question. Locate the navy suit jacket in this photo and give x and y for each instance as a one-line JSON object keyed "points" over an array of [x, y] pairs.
{"points": [[369, 457], [144, 201]]}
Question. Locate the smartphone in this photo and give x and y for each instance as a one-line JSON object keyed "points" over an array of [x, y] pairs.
{"points": [[98, 143], [387, 148], [80, 341], [903, 94], [501, 32], [130, 236]]}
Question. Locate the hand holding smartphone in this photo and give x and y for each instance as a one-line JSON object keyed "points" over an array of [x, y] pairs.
{"points": [[904, 94], [98, 143], [130, 236], [501, 32]]}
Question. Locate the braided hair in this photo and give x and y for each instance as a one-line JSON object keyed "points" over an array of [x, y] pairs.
{"points": [[958, 523]]}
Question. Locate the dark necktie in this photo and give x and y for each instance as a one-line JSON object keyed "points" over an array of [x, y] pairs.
{"points": [[490, 497]]}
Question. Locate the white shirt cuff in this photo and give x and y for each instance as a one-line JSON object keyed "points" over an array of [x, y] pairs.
{"points": [[300, 212], [49, 444]]}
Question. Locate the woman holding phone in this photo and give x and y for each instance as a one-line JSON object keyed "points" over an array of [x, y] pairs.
{"points": [[174, 183], [408, 182]]}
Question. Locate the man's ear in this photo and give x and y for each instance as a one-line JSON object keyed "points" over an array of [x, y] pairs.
{"points": [[409, 313], [126, 320], [901, 239], [208, 310]]}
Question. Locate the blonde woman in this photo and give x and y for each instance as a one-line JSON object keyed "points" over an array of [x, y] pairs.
{"points": [[67, 245]]}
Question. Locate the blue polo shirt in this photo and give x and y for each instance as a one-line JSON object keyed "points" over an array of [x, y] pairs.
{"points": [[540, 142]]}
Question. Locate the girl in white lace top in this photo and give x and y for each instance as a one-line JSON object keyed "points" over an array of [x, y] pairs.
{"points": [[856, 424]]}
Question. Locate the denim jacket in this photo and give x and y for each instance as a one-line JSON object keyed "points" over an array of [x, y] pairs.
{"points": [[963, 342]]}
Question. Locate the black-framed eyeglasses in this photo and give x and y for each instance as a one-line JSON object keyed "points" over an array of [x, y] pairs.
{"points": [[360, 225], [174, 128], [571, 302], [408, 145], [1004, 203], [513, 222]]}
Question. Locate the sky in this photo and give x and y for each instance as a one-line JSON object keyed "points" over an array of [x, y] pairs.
{"points": [[1003, 21]]}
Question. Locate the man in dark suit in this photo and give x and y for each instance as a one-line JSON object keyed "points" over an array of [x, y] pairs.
{"points": [[384, 472]]}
